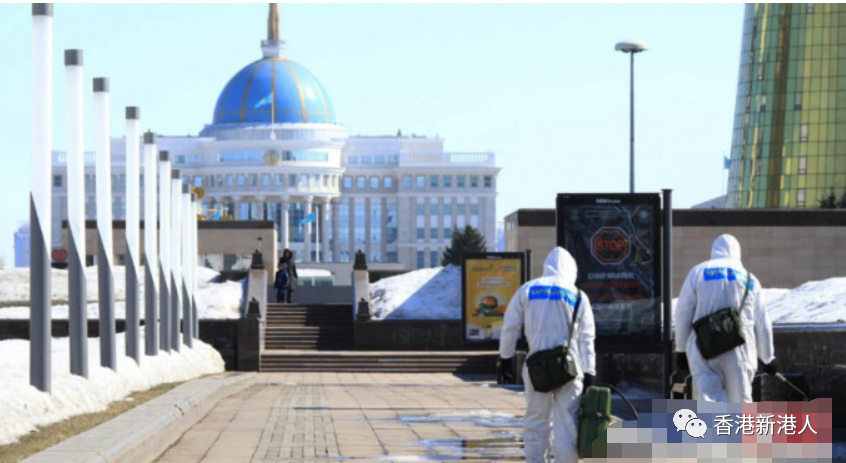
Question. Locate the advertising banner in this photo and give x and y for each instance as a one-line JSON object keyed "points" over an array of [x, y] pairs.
{"points": [[615, 239], [489, 281]]}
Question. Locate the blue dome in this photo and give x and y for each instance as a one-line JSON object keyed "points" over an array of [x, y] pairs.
{"points": [[273, 84]]}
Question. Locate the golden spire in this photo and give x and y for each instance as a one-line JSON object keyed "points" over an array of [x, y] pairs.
{"points": [[273, 22]]}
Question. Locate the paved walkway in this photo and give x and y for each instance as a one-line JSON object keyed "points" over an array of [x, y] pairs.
{"points": [[331, 417]]}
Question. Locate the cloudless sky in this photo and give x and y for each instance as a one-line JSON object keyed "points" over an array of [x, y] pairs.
{"points": [[540, 85]]}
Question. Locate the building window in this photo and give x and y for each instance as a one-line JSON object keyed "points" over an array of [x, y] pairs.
{"points": [[280, 179], [198, 181], [421, 233], [447, 181], [421, 181], [388, 182], [367, 159], [241, 179], [803, 132], [488, 181], [803, 164], [433, 258], [374, 182], [800, 197], [303, 180], [391, 225], [447, 210], [376, 223], [343, 223], [265, 179], [253, 180], [406, 181], [393, 256], [460, 209], [421, 209], [433, 209], [433, 234], [229, 180], [352, 159], [433, 181], [474, 181], [57, 181], [797, 101], [460, 181], [420, 262], [347, 182], [447, 234], [757, 167], [474, 209], [809, 8], [360, 182], [359, 216], [379, 159], [763, 103], [325, 181], [315, 180]]}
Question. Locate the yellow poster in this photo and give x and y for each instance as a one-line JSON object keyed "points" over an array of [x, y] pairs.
{"points": [[490, 284]]}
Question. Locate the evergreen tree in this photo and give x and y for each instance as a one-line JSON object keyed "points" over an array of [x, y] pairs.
{"points": [[829, 202], [466, 241]]}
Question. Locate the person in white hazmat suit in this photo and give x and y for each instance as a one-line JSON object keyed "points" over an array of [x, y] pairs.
{"points": [[710, 286], [543, 308]]}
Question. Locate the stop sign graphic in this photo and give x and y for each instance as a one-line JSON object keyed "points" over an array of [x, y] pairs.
{"points": [[610, 245]]}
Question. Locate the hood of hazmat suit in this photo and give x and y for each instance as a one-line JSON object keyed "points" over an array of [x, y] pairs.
{"points": [[543, 310], [710, 286]]}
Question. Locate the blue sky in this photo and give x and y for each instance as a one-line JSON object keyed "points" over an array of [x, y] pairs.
{"points": [[541, 85]]}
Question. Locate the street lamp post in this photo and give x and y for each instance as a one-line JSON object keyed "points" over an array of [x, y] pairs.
{"points": [[631, 47]]}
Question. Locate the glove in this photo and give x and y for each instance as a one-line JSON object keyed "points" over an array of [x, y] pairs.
{"points": [[770, 368], [505, 369], [588, 381], [681, 362]]}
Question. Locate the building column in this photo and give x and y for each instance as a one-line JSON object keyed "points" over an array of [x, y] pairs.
{"points": [[307, 232], [383, 249], [283, 227], [352, 244], [259, 202], [336, 249], [324, 228], [367, 221]]}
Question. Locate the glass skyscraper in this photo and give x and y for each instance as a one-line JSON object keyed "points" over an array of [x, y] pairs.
{"points": [[789, 141]]}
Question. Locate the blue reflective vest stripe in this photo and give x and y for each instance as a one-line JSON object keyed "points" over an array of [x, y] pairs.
{"points": [[554, 293]]}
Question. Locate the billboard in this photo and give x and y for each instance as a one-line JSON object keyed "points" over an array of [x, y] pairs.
{"points": [[616, 241], [489, 281]]}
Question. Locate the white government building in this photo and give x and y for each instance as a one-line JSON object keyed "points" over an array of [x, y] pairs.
{"points": [[274, 151]]}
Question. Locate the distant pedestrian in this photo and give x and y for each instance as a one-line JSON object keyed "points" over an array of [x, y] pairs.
{"points": [[280, 282], [288, 259]]}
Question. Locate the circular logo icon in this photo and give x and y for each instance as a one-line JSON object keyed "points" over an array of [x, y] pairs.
{"points": [[272, 156]]}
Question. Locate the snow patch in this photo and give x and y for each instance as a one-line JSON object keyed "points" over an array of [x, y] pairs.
{"points": [[425, 294], [23, 408]]}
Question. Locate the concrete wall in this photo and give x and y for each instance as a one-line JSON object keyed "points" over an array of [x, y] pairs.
{"points": [[783, 248], [226, 237]]}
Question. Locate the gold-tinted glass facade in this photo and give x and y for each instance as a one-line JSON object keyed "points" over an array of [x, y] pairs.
{"points": [[789, 140]]}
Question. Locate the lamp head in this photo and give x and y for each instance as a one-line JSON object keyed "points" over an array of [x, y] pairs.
{"points": [[631, 46]]}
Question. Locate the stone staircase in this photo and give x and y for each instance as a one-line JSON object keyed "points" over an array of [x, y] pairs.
{"points": [[319, 338]]}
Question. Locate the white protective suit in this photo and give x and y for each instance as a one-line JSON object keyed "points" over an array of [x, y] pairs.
{"points": [[710, 286], [543, 307]]}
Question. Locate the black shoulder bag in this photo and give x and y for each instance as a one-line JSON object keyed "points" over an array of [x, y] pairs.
{"points": [[721, 331], [552, 368]]}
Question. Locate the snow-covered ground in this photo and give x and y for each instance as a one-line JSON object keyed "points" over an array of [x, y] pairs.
{"points": [[23, 408], [426, 294], [215, 299], [435, 294]]}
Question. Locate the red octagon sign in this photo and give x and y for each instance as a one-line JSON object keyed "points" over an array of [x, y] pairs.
{"points": [[610, 245]]}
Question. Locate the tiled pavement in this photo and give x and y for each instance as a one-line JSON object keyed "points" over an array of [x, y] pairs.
{"points": [[360, 417]]}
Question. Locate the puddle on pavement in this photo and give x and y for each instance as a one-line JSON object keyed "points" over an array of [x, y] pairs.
{"points": [[506, 447], [486, 419]]}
